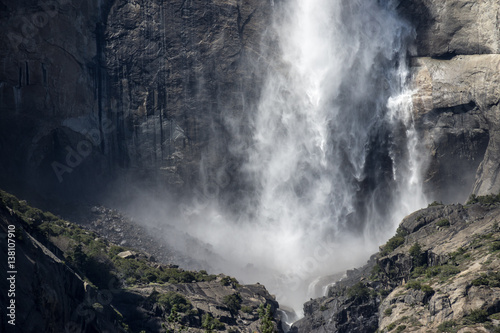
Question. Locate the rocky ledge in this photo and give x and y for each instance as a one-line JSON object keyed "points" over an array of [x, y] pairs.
{"points": [[439, 273], [70, 279]]}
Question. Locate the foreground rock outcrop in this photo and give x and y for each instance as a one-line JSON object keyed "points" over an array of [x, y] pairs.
{"points": [[439, 273], [69, 279]]}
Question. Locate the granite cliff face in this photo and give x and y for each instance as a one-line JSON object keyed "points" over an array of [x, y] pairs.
{"points": [[51, 76], [456, 75], [177, 71], [92, 91]]}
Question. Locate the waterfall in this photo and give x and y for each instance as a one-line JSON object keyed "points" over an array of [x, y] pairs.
{"points": [[333, 161]]}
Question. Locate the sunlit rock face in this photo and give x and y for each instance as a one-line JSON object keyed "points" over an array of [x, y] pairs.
{"points": [[456, 103], [445, 28], [456, 106]]}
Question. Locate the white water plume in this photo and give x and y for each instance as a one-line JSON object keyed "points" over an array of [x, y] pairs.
{"points": [[333, 163]]}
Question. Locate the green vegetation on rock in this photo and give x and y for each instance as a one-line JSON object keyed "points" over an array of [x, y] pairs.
{"points": [[484, 200], [104, 265], [442, 271], [93, 257], [448, 326], [388, 312], [395, 242], [229, 281], [459, 255], [171, 300], [358, 292], [443, 223], [417, 285], [491, 279], [495, 246], [476, 317], [417, 256], [266, 319], [233, 302], [246, 309], [391, 326], [210, 323], [401, 328]]}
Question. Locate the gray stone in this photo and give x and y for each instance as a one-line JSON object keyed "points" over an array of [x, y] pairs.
{"points": [[126, 254], [447, 28], [455, 107]]}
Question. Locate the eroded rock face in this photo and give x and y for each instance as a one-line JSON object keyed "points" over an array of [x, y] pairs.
{"points": [[456, 109], [144, 90], [49, 78], [205, 298], [177, 71], [456, 100], [342, 311]]}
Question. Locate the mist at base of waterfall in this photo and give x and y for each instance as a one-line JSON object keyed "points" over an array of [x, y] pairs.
{"points": [[329, 162]]}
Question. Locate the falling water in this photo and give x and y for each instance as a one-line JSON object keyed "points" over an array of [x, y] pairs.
{"points": [[333, 161]]}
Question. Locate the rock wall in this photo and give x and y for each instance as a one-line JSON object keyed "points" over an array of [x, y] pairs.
{"points": [[456, 74], [95, 90], [48, 79], [177, 71]]}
